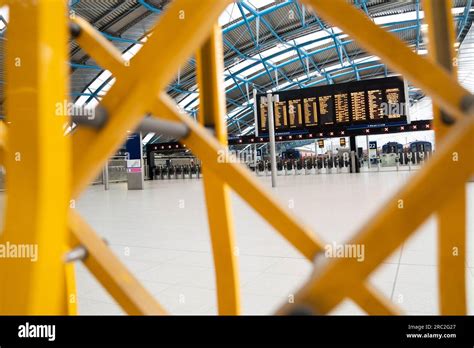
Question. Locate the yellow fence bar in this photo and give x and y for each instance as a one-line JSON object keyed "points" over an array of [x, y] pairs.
{"points": [[71, 288], [105, 53], [3, 141], [420, 71], [372, 301], [212, 112], [452, 214], [150, 70], [405, 211], [107, 268], [38, 160]]}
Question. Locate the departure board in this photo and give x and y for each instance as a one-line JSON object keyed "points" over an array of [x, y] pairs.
{"points": [[281, 118], [310, 111], [393, 101], [295, 113], [263, 116], [326, 110], [336, 107], [358, 106], [375, 100], [341, 103]]}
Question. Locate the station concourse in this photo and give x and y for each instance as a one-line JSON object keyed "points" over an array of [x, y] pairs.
{"points": [[251, 157]]}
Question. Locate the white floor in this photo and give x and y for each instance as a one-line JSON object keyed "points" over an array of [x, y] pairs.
{"points": [[161, 234]]}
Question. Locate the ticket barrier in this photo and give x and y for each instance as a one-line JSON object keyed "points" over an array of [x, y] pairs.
{"points": [[268, 168], [280, 168], [299, 167], [328, 165], [176, 172], [170, 171], [260, 168], [309, 167], [409, 159], [421, 158], [377, 163], [289, 167], [195, 170]]}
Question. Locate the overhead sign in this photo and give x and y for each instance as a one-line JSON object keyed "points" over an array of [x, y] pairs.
{"points": [[372, 149], [375, 102]]}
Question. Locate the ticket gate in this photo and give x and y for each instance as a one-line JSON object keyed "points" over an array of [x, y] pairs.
{"points": [[177, 172], [309, 167], [289, 167], [306, 166], [280, 168], [299, 167]]}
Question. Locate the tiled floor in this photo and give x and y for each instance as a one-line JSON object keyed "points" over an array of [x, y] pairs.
{"points": [[161, 234]]}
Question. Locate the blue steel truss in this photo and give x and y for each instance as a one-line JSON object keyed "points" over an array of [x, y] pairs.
{"points": [[311, 72]]}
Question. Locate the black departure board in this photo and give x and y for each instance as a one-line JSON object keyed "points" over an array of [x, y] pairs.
{"points": [[326, 110], [341, 103], [310, 111], [374, 102], [393, 102], [358, 106], [281, 117], [295, 113]]}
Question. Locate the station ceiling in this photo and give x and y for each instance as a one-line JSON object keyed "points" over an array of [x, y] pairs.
{"points": [[268, 45]]}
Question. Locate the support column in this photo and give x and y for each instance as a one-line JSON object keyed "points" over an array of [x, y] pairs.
{"points": [[352, 143], [255, 156], [210, 72], [368, 151], [355, 168], [271, 138], [105, 176]]}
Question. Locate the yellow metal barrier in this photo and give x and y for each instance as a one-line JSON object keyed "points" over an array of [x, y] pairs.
{"points": [[139, 90], [452, 214], [210, 65], [38, 188]]}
